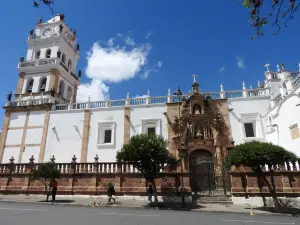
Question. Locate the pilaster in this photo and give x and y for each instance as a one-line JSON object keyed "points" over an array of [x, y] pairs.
{"points": [[23, 137], [126, 125], [54, 79], [4, 133], [44, 137], [85, 136], [20, 83]]}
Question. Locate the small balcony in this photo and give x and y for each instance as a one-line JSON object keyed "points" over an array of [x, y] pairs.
{"points": [[48, 63], [37, 64]]}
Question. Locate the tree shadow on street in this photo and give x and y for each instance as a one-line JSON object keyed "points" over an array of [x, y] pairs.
{"points": [[176, 204], [59, 201], [288, 210]]}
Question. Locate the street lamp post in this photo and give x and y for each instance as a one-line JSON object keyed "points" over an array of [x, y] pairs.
{"points": [[179, 94]]}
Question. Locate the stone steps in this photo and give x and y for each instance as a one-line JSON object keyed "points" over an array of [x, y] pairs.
{"points": [[224, 200]]}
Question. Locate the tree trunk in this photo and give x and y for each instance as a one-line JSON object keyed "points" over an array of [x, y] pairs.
{"points": [[47, 189], [272, 189], [154, 191]]}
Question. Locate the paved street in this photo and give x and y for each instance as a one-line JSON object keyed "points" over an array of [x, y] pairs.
{"points": [[37, 214]]}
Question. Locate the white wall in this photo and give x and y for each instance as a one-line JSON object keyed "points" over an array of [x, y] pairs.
{"points": [[137, 114], [9, 152], [285, 115], [34, 136], [106, 154], [17, 119], [30, 151], [65, 140], [242, 106], [36, 118], [14, 137]]}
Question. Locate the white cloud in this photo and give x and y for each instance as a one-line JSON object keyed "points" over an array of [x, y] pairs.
{"points": [[110, 42], [113, 64], [222, 69], [96, 89], [154, 69], [148, 35], [240, 62], [129, 41], [159, 64]]}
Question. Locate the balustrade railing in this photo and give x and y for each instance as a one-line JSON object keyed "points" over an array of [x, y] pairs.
{"points": [[38, 62], [106, 168], [66, 168], [234, 94]]}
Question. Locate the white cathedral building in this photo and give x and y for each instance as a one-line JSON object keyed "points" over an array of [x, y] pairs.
{"points": [[43, 119]]}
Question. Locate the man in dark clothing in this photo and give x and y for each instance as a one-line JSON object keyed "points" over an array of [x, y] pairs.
{"points": [[53, 185], [150, 192], [110, 192]]}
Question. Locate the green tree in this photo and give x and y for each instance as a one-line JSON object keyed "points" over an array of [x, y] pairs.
{"points": [[149, 154], [279, 12], [258, 154], [45, 173]]}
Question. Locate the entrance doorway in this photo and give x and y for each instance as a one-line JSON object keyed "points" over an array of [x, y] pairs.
{"points": [[202, 172]]}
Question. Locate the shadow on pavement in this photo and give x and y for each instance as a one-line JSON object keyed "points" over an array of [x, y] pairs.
{"points": [[291, 211], [59, 201]]}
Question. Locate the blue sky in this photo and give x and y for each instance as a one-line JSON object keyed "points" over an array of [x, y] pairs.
{"points": [[166, 43]]}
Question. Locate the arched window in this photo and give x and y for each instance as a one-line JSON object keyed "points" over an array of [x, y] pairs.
{"points": [[63, 58], [70, 64], [29, 85], [61, 88], [48, 53], [38, 54], [69, 93], [196, 109], [42, 86]]}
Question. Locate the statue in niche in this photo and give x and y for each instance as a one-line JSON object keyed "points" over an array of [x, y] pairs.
{"points": [[199, 131], [61, 27], [197, 109], [58, 53], [9, 96], [52, 92]]}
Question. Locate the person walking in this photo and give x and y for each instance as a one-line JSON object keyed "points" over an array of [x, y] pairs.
{"points": [[53, 185], [110, 192], [150, 193]]}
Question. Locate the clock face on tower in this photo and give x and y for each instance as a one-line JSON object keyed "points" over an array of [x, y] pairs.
{"points": [[47, 32]]}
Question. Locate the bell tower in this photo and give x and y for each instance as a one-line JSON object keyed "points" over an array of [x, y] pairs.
{"points": [[47, 74]]}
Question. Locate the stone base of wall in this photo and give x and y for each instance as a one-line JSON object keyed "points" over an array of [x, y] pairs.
{"points": [[94, 184]]}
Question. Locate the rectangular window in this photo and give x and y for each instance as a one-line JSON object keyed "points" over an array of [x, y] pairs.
{"points": [[151, 130], [249, 131], [294, 129], [107, 136]]}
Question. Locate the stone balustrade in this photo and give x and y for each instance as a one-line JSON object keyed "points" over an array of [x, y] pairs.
{"points": [[247, 93], [38, 62], [70, 168]]}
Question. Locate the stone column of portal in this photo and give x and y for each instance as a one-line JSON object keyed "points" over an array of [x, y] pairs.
{"points": [[218, 166]]}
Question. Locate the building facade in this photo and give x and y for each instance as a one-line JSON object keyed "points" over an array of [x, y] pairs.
{"points": [[43, 118]]}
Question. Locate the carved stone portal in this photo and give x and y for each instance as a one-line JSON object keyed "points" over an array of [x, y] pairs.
{"points": [[202, 125]]}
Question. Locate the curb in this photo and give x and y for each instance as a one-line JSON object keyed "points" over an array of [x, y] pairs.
{"points": [[153, 208]]}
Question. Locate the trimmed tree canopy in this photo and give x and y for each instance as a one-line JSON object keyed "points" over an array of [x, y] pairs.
{"points": [[46, 172], [148, 153], [257, 154]]}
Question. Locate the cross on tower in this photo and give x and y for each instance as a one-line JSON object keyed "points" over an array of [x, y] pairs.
{"points": [[194, 75], [268, 67]]}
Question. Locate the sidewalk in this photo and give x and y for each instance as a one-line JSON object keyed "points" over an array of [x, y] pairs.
{"points": [[131, 202]]}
